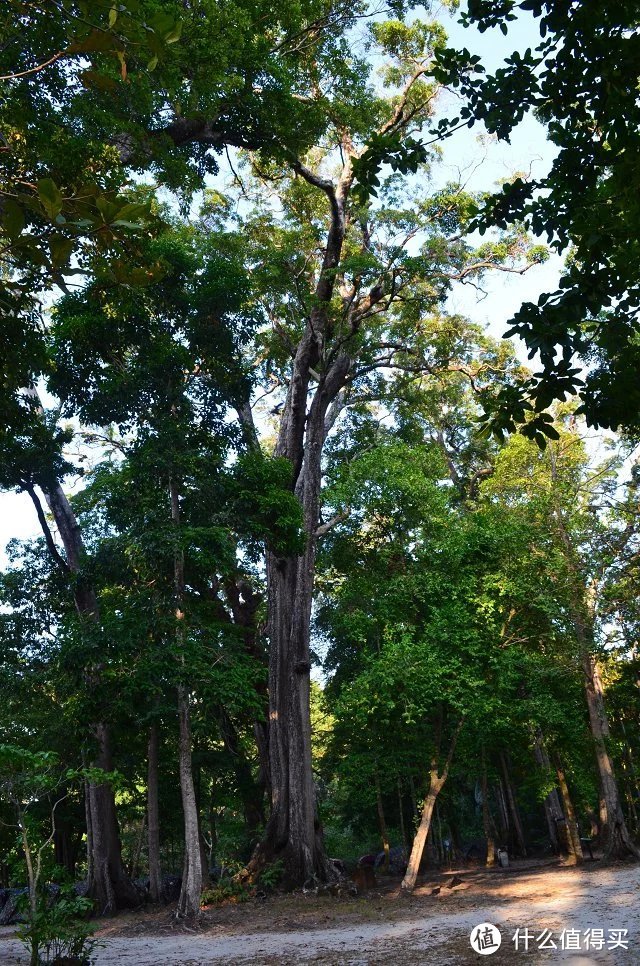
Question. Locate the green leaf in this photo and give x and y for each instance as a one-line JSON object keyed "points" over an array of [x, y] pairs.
{"points": [[113, 16], [61, 249], [174, 35], [13, 220], [50, 196]]}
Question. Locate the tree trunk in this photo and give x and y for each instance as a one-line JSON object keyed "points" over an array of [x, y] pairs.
{"points": [[573, 835], [293, 833], [503, 813], [486, 817], [552, 808], [153, 816], [108, 884], [403, 831], [64, 848], [435, 786], [436, 783], [109, 887], [250, 791], [134, 868], [382, 825], [189, 900], [616, 840], [513, 806]]}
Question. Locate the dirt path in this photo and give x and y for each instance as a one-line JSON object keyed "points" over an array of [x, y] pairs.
{"points": [[427, 928]]}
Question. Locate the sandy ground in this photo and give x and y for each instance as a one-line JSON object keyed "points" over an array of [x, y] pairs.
{"points": [[383, 928]]}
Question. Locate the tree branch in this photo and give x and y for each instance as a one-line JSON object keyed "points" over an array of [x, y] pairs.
{"points": [[48, 536]]}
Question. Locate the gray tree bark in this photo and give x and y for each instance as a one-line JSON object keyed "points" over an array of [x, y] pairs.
{"points": [[293, 833], [189, 900]]}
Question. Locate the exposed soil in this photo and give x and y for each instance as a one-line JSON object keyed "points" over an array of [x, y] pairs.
{"points": [[384, 927]]}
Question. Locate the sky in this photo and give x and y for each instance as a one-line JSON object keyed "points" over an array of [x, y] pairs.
{"points": [[484, 164]]}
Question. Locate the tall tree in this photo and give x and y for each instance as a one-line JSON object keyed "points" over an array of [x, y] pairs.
{"points": [[352, 290]]}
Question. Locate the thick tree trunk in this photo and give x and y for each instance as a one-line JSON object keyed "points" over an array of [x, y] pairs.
{"points": [[153, 816], [616, 840], [573, 835], [293, 833], [513, 806], [108, 885]]}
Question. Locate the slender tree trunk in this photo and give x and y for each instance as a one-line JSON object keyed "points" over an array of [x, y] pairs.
{"points": [[414, 797], [513, 805], [413, 867], [87, 813], [135, 858], [486, 817], [382, 824], [552, 808], [503, 813], [153, 815], [439, 843], [436, 783], [403, 830], [189, 900], [573, 835], [249, 789]]}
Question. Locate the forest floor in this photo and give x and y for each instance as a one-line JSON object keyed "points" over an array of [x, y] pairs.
{"points": [[383, 927]]}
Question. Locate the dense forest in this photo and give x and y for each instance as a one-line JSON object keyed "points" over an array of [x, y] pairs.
{"points": [[323, 570]]}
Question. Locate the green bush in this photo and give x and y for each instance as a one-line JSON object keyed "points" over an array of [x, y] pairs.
{"points": [[59, 932], [225, 892], [272, 874]]}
